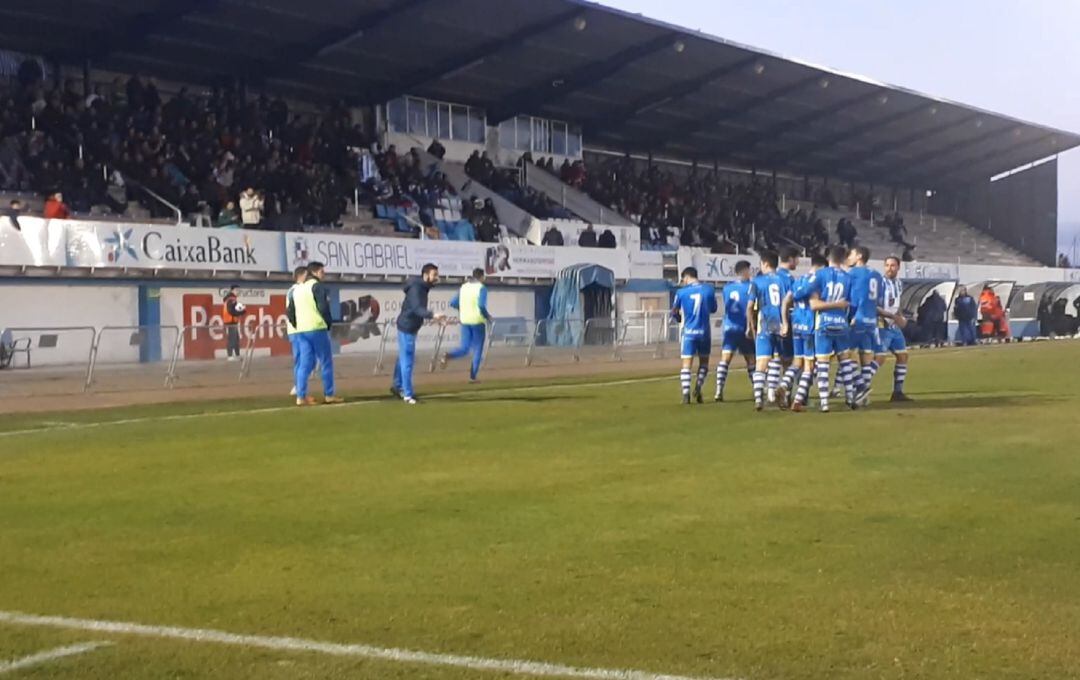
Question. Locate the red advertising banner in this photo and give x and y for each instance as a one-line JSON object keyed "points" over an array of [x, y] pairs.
{"points": [[265, 321]]}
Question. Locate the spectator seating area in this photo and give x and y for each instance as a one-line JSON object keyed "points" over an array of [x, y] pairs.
{"points": [[225, 159], [934, 238]]}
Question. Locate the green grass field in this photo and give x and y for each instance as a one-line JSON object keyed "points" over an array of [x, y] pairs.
{"points": [[601, 526]]}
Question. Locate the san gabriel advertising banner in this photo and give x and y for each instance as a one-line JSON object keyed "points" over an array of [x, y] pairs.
{"points": [[362, 255]]}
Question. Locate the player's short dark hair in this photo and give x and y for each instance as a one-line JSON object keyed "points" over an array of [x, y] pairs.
{"points": [[789, 253], [837, 254], [429, 267], [894, 259], [690, 271], [741, 266], [863, 252], [770, 258], [478, 273], [818, 260], [298, 271], [234, 287], [315, 267]]}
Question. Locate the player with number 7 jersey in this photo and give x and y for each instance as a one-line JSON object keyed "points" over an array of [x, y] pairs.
{"points": [[694, 305]]}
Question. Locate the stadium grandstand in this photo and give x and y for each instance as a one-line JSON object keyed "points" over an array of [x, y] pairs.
{"points": [[396, 118]]}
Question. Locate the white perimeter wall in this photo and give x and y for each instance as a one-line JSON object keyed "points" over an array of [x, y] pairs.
{"points": [[61, 305]]}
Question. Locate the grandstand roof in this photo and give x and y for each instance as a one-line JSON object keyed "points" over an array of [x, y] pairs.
{"points": [[633, 83]]}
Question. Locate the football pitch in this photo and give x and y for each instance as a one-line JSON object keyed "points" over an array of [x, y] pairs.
{"points": [[593, 529]]}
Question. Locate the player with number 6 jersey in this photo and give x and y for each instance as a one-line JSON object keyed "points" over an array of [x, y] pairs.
{"points": [[768, 317], [694, 305]]}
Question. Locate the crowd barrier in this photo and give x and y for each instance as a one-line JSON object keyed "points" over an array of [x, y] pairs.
{"points": [[86, 359]]}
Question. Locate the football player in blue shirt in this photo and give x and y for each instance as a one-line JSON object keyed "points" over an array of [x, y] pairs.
{"points": [[802, 331], [768, 317], [867, 289], [736, 298], [694, 304], [789, 262], [892, 327], [830, 291]]}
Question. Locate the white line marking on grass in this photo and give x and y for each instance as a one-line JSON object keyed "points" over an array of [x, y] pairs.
{"points": [[51, 655], [55, 427], [290, 644]]}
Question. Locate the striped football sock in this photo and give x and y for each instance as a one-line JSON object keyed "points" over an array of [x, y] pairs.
{"points": [[684, 380], [790, 377], [759, 386], [721, 376], [773, 376], [899, 375], [869, 371], [803, 393], [702, 374], [847, 378], [823, 383]]}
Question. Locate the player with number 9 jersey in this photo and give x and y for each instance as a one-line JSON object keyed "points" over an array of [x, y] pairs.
{"points": [[867, 295]]}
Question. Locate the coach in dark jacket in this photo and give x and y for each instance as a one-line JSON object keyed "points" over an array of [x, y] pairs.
{"points": [[414, 312], [966, 311]]}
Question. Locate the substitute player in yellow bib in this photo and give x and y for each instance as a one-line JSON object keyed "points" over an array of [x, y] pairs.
{"points": [[471, 303]]}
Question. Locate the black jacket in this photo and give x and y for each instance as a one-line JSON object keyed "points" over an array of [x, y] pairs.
{"points": [[414, 310], [607, 240], [587, 239], [552, 237]]}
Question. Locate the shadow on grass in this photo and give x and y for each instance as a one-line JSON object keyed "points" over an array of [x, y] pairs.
{"points": [[969, 401], [481, 398]]}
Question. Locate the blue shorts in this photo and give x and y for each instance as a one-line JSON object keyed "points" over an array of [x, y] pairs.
{"points": [[735, 341], [696, 345], [892, 340], [804, 345], [787, 347], [828, 343], [768, 345], [865, 340]]}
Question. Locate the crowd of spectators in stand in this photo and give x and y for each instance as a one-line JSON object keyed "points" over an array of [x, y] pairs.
{"points": [[588, 238], [233, 159], [507, 182], [404, 181], [708, 212]]}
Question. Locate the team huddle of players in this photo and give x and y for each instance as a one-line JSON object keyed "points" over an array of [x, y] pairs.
{"points": [[789, 329]]}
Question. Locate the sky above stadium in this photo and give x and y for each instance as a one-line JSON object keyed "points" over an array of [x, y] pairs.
{"points": [[1016, 57]]}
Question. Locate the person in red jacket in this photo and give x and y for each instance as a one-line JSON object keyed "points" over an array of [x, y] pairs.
{"points": [[55, 208]]}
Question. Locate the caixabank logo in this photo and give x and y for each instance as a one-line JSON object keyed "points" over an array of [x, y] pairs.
{"points": [[119, 246], [187, 248]]}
